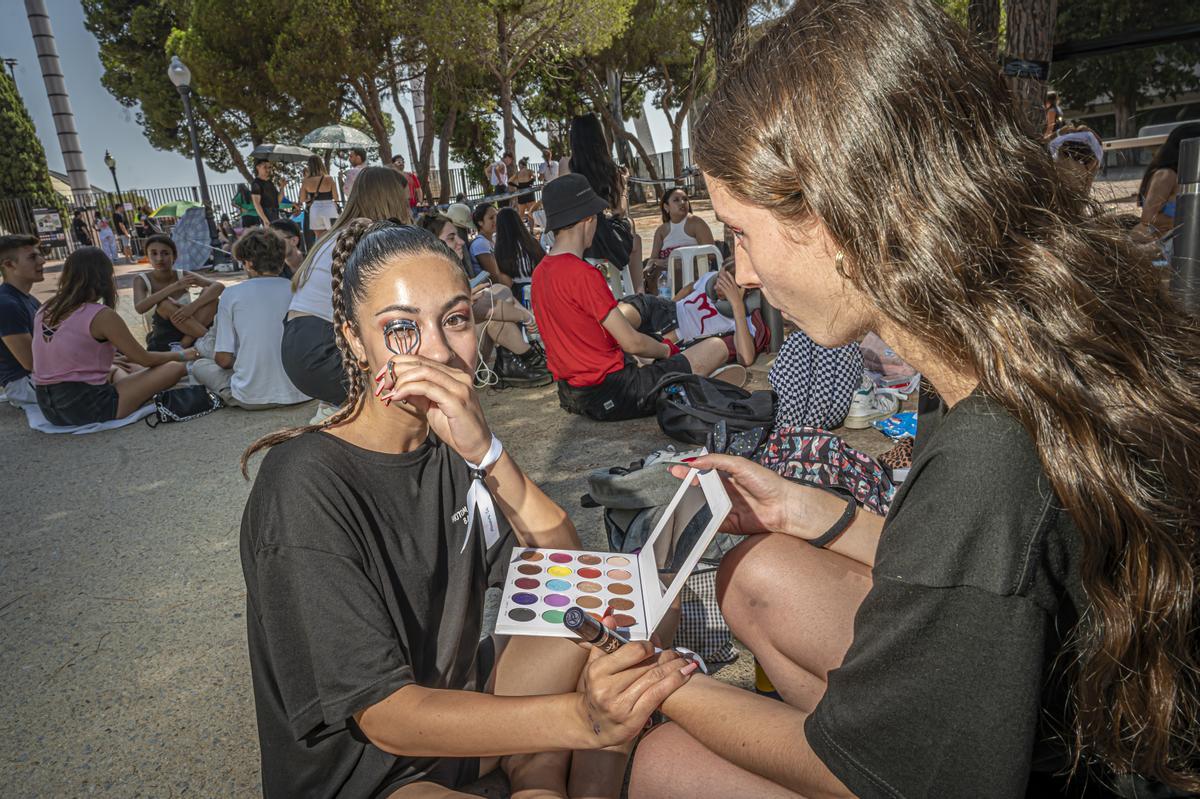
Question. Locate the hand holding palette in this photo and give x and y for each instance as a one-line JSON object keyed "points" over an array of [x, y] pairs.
{"points": [[543, 583]]}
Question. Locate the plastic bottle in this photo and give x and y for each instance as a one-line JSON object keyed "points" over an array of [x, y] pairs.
{"points": [[664, 286]]}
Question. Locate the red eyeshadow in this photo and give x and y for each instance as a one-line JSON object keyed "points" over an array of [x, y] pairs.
{"points": [[590, 574], [560, 557], [527, 582]]}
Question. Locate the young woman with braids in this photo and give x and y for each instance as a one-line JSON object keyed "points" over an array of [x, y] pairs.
{"points": [[366, 563], [1024, 622]]}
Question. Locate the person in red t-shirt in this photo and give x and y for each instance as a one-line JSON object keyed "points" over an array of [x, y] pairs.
{"points": [[590, 346], [415, 195]]}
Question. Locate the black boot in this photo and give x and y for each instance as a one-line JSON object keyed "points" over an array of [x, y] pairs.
{"points": [[517, 370]]}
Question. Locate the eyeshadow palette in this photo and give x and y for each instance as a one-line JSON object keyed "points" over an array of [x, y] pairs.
{"points": [[543, 583]]}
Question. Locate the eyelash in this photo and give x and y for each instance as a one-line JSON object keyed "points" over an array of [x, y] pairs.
{"points": [[463, 319]]}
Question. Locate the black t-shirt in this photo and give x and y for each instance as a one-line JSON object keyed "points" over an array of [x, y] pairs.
{"points": [[950, 687], [16, 317], [82, 235], [119, 225], [355, 587], [268, 197]]}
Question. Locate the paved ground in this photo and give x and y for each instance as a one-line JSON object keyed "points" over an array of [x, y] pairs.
{"points": [[123, 668]]}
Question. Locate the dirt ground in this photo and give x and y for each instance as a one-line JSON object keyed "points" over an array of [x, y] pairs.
{"points": [[123, 668]]}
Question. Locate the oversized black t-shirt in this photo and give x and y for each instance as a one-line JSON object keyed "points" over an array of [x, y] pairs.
{"points": [[950, 685], [268, 198], [355, 587]]}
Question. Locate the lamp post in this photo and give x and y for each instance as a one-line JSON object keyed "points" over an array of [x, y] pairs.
{"points": [[181, 76], [111, 163]]}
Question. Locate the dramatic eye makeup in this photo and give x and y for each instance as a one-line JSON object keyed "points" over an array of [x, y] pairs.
{"points": [[550, 581]]}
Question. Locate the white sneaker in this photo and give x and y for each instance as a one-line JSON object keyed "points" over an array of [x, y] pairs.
{"points": [[324, 411], [733, 373], [871, 404]]}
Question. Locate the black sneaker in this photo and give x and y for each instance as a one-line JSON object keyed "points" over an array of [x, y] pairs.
{"points": [[514, 370]]}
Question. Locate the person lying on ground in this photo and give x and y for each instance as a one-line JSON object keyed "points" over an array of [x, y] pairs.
{"points": [[499, 320], [77, 336], [246, 370], [590, 345], [1024, 622], [21, 265], [366, 564], [162, 296], [680, 228], [694, 316], [310, 355]]}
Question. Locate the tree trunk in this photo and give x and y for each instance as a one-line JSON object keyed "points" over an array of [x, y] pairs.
{"points": [[406, 121], [1031, 38], [373, 111], [421, 166], [1123, 109], [676, 123], [506, 79], [983, 20], [444, 154], [234, 153]]}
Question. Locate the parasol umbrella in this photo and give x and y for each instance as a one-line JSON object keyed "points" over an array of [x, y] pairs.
{"points": [[337, 137], [175, 208], [191, 238], [281, 153]]}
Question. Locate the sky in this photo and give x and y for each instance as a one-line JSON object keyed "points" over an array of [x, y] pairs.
{"points": [[104, 124]]}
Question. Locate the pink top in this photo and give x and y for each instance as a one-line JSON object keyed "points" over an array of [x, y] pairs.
{"points": [[69, 354]]}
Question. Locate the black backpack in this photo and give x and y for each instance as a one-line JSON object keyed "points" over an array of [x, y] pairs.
{"points": [[613, 241], [689, 405]]}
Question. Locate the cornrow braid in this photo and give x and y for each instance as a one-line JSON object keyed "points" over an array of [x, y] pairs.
{"points": [[347, 240]]}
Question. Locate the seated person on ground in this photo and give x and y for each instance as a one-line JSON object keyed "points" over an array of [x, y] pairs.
{"points": [[246, 369], [77, 335], [815, 385], [499, 319], [162, 297], [481, 255], [21, 263], [366, 566], [590, 346], [694, 315], [291, 233], [679, 228]]}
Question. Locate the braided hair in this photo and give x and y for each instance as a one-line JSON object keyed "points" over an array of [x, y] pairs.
{"points": [[363, 249]]}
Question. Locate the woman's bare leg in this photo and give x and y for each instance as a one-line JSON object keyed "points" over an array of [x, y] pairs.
{"points": [[507, 335], [189, 327], [135, 390], [827, 590]]}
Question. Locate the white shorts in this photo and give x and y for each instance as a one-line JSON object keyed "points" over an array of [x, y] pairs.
{"points": [[21, 392], [322, 215]]}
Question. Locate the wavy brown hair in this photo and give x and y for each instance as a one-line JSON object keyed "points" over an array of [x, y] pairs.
{"points": [[87, 276], [362, 250], [881, 119]]}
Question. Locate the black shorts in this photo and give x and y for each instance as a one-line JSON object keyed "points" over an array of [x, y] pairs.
{"points": [[73, 404], [627, 394], [311, 359], [659, 315], [162, 335]]}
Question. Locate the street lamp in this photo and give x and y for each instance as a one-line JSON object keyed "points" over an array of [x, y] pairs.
{"points": [[111, 163], [181, 76]]}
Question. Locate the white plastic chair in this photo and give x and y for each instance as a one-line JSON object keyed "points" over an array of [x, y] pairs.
{"points": [[688, 258], [618, 279]]}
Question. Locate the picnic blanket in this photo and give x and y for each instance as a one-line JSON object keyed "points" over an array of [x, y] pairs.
{"points": [[37, 420]]}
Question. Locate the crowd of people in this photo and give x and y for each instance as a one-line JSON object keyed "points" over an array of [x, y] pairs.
{"points": [[1022, 622]]}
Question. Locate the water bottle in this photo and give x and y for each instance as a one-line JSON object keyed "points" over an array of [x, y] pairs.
{"points": [[664, 286]]}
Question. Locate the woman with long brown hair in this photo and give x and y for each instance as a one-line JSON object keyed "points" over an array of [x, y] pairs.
{"points": [[1024, 622], [317, 192], [76, 337]]}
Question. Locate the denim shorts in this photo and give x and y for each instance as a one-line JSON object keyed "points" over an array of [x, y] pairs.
{"points": [[73, 404]]}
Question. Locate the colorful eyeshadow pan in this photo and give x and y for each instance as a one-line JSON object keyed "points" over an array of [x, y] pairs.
{"points": [[590, 587], [618, 574], [588, 574], [521, 614], [555, 600], [524, 599], [624, 621], [553, 585], [527, 568], [560, 557], [622, 589], [553, 616], [532, 556], [589, 560], [528, 583], [557, 571], [615, 604], [591, 603], [617, 560]]}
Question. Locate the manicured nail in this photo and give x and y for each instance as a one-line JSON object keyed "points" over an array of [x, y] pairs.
{"points": [[689, 460], [689, 668]]}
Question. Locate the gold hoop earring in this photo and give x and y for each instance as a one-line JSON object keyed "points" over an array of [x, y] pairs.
{"points": [[839, 259]]}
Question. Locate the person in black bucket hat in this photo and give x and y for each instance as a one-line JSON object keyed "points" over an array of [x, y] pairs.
{"points": [[591, 346]]}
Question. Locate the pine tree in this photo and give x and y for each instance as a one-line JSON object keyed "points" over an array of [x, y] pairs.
{"points": [[23, 171]]}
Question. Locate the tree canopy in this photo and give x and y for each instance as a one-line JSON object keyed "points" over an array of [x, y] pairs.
{"points": [[23, 170]]}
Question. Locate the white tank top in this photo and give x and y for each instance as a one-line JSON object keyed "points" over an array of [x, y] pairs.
{"points": [[316, 295], [148, 316], [677, 236]]}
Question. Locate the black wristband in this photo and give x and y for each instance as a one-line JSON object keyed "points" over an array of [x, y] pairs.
{"points": [[841, 524]]}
